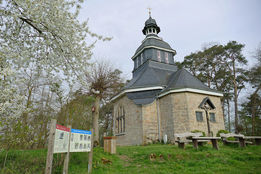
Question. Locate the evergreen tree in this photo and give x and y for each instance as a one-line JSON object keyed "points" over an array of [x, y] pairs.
{"points": [[234, 59], [219, 66], [253, 105]]}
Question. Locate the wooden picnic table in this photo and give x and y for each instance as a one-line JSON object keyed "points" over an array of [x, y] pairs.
{"points": [[184, 138], [214, 141], [242, 139], [256, 138]]}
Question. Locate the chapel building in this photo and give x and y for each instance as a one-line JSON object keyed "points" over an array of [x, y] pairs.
{"points": [[161, 99]]}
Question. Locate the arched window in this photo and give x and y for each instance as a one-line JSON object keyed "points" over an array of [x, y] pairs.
{"points": [[118, 120], [121, 120]]}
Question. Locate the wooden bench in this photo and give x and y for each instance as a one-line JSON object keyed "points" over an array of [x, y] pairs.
{"points": [[256, 138], [183, 138], [243, 142], [225, 137], [214, 141], [240, 139]]}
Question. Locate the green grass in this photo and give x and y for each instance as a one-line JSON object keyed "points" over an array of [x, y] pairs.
{"points": [[136, 159]]}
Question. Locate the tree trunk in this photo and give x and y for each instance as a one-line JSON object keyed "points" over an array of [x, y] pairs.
{"points": [[228, 115], [253, 111], [235, 97], [95, 120]]}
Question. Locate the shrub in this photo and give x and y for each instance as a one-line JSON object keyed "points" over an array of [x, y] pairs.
{"points": [[195, 131], [222, 131]]}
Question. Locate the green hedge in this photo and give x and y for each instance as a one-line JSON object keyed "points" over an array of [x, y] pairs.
{"points": [[222, 131], [196, 131]]}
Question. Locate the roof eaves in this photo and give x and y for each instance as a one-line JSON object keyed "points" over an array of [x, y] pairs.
{"points": [[146, 47], [178, 90], [135, 90]]}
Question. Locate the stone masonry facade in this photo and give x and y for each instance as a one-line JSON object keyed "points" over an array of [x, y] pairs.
{"points": [[175, 112], [133, 134]]}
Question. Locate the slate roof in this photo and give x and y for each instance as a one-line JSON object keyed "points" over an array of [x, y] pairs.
{"points": [[183, 79], [151, 74], [143, 97], [168, 76], [150, 23], [154, 42]]}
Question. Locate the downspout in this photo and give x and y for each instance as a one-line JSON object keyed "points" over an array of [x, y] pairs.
{"points": [[158, 115], [142, 127]]}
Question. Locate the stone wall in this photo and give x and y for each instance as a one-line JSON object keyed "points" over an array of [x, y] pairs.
{"points": [[150, 122], [193, 102], [133, 134], [166, 117], [178, 114]]}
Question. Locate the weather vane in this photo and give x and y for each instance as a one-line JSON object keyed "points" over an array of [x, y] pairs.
{"points": [[149, 11]]}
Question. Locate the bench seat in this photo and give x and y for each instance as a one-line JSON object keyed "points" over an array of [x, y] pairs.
{"points": [[241, 139], [182, 138], [214, 141]]}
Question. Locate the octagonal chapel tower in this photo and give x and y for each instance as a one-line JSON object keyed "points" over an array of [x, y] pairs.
{"points": [[152, 47], [161, 99]]}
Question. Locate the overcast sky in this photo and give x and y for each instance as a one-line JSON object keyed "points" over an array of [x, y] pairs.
{"points": [[185, 24]]}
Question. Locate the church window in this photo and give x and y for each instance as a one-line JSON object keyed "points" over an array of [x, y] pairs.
{"points": [[121, 125], [141, 58], [149, 30], [199, 116], [167, 57], [118, 122], [158, 55], [212, 117], [121, 120]]}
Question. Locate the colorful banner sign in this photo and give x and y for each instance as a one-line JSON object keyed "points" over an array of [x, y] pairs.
{"points": [[80, 141], [61, 140]]}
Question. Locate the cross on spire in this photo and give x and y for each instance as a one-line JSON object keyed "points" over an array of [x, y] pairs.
{"points": [[149, 11]]}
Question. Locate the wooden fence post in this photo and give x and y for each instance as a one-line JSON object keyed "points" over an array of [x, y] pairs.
{"points": [[67, 157], [49, 159], [90, 154]]}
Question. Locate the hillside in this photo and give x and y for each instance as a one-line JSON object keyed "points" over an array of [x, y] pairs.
{"points": [[142, 159]]}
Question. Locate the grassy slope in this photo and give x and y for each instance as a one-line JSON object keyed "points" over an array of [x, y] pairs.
{"points": [[135, 159]]}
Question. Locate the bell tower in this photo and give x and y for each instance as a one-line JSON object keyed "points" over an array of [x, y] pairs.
{"points": [[153, 48], [151, 27]]}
